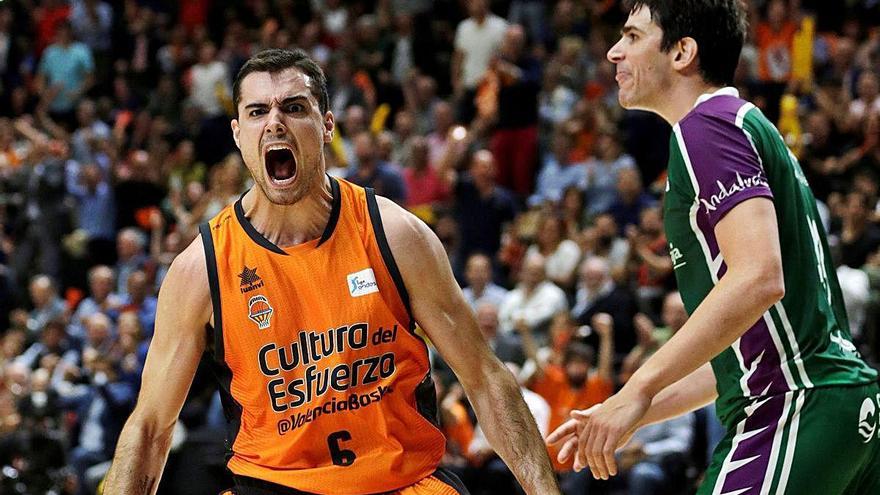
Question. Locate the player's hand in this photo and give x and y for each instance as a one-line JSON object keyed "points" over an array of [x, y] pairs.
{"points": [[605, 429], [565, 437]]}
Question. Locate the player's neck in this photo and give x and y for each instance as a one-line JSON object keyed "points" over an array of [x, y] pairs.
{"points": [[289, 225], [681, 98]]}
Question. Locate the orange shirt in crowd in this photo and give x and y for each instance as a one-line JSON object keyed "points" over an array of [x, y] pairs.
{"points": [[775, 51], [554, 387], [459, 430]]}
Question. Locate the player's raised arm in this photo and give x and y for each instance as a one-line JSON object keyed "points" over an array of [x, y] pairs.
{"points": [[177, 346], [440, 309]]}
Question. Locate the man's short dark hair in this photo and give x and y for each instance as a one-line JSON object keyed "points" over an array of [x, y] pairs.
{"points": [[718, 26], [275, 60], [580, 352]]}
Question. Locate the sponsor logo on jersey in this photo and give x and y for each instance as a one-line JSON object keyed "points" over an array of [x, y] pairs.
{"points": [[844, 343], [340, 360], [738, 185], [868, 419], [676, 256], [260, 311], [249, 279], [362, 283]]}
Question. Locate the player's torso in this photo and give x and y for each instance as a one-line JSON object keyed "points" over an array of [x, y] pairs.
{"points": [[328, 381], [801, 341]]}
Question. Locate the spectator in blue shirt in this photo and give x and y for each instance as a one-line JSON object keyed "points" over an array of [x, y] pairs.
{"points": [[65, 74], [140, 301], [95, 210], [558, 171], [372, 172]]}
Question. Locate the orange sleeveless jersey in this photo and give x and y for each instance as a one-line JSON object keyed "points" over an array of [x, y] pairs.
{"points": [[324, 384]]}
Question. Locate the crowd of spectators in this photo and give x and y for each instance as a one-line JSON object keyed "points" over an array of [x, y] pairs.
{"points": [[497, 123]]}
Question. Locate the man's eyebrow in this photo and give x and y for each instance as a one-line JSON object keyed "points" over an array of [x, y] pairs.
{"points": [[295, 98], [285, 101], [630, 28]]}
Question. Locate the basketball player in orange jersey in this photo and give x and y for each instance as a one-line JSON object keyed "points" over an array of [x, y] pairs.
{"points": [[310, 288]]}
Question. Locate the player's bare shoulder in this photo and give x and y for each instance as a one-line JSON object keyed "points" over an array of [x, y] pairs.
{"points": [[185, 288], [420, 256], [410, 239]]}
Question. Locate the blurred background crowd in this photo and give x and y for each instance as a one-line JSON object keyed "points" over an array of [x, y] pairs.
{"points": [[497, 123]]}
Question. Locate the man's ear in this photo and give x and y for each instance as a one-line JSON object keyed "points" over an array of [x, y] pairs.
{"points": [[329, 127], [235, 130], [685, 54]]}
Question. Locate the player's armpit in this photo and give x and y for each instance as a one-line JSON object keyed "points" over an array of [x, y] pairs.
{"points": [[178, 342]]}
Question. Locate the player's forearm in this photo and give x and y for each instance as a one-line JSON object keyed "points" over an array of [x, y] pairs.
{"points": [[688, 394], [139, 460], [730, 308], [511, 430]]}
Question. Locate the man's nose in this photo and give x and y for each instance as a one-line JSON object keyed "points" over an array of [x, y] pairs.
{"points": [[275, 125], [615, 54]]}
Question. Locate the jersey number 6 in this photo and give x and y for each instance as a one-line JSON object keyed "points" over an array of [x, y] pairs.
{"points": [[340, 456]]}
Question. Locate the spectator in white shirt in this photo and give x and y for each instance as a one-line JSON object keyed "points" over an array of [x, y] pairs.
{"points": [[480, 288], [535, 300], [562, 255], [209, 86]]}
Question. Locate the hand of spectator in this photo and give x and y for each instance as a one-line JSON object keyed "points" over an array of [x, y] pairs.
{"points": [[157, 221], [603, 325], [447, 406], [49, 362], [644, 329], [829, 165], [18, 318], [632, 233]]}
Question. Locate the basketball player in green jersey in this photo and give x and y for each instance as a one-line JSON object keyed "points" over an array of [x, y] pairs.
{"points": [[768, 337]]}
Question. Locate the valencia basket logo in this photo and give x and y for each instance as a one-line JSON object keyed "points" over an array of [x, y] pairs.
{"points": [[260, 311]]}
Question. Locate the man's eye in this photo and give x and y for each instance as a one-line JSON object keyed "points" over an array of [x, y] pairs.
{"points": [[632, 36], [295, 107], [257, 112]]}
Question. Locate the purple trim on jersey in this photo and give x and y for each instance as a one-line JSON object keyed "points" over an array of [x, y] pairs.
{"points": [[726, 166], [768, 374], [752, 475]]}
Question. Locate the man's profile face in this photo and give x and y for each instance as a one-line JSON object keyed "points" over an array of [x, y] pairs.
{"points": [[281, 133], [643, 70]]}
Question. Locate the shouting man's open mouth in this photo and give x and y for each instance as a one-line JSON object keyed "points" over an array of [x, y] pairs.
{"points": [[280, 164]]}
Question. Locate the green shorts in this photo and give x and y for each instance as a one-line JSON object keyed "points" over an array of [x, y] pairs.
{"points": [[821, 441]]}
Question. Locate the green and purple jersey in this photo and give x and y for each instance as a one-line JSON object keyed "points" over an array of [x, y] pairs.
{"points": [[722, 153]]}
